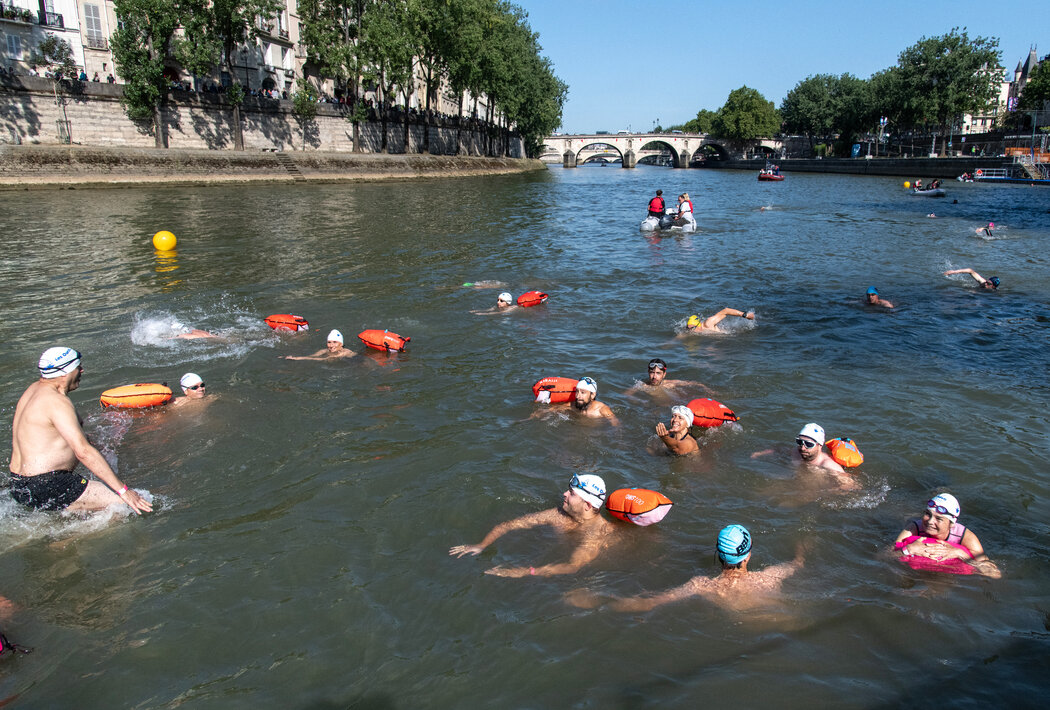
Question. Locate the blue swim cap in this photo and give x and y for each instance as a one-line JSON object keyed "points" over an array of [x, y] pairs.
{"points": [[872, 289], [995, 281], [734, 544]]}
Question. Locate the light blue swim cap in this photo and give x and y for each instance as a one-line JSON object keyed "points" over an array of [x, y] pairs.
{"points": [[734, 544], [872, 289]]}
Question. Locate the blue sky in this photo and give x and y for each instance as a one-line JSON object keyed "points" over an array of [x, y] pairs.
{"points": [[631, 64]]}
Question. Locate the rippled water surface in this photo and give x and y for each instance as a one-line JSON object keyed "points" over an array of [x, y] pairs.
{"points": [[298, 552]]}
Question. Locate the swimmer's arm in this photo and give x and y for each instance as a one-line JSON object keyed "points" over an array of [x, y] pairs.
{"points": [[68, 426], [977, 277], [583, 555], [884, 303], [532, 520], [675, 446], [720, 316], [692, 588], [319, 355], [971, 543], [608, 414], [904, 534], [763, 452]]}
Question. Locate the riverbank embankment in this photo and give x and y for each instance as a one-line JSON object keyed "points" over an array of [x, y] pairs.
{"points": [[49, 166], [943, 168]]}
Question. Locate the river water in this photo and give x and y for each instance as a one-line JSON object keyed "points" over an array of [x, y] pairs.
{"points": [[298, 557]]}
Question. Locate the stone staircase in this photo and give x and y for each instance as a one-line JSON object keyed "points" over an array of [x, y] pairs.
{"points": [[289, 165]]}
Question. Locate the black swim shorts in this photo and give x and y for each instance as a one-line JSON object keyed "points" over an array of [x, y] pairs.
{"points": [[54, 490]]}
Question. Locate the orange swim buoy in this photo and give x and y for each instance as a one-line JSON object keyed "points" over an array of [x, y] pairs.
{"points": [[145, 394], [845, 452], [286, 321], [532, 298], [709, 413], [640, 506], [383, 340], [561, 389], [980, 172]]}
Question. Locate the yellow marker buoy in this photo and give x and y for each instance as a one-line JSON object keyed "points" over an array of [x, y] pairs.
{"points": [[907, 186], [164, 241]]}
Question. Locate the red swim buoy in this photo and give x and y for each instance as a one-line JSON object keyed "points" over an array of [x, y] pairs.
{"points": [[845, 452], [952, 566], [286, 321], [383, 340], [561, 389], [532, 298], [709, 413], [144, 394], [980, 172], [640, 506]]}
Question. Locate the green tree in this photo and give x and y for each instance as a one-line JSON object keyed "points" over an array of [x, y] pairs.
{"points": [[304, 106], [1036, 90], [745, 116], [56, 56], [390, 59], [704, 121], [942, 78], [852, 107], [809, 108]]}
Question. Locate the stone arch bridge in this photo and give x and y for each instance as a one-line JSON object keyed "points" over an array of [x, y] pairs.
{"points": [[629, 148]]}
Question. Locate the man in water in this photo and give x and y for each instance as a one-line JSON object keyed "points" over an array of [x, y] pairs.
{"points": [[586, 403], [873, 298], [940, 532], [504, 304], [677, 438], [47, 441], [657, 380], [656, 205], [809, 451], [334, 349], [991, 283], [579, 513], [184, 332], [736, 588], [193, 389], [695, 324]]}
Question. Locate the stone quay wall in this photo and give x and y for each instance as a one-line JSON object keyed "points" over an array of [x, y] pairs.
{"points": [[943, 168], [29, 113]]}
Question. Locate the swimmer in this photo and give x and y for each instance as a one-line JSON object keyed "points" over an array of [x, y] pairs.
{"points": [[809, 452], [193, 389], [676, 437], [931, 215], [579, 513], [47, 441], [657, 380], [585, 402], [991, 283], [872, 298], [186, 333], [987, 230], [334, 349], [735, 588], [941, 522], [484, 284], [695, 325], [504, 304]]}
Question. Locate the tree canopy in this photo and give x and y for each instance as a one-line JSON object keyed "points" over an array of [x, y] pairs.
{"points": [[745, 116], [1036, 91]]}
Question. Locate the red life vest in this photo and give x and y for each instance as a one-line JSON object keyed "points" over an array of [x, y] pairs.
{"points": [[656, 205], [687, 202]]}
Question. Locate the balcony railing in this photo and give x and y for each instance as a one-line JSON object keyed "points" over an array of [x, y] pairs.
{"points": [[97, 43], [52, 19]]}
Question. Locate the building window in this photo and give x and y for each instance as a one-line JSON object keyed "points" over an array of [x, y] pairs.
{"points": [[93, 22], [14, 46]]}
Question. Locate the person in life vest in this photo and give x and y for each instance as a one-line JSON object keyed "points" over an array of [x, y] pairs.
{"points": [[809, 452], [333, 349], [580, 513], [872, 298], [685, 211], [736, 588], [695, 324], [941, 536], [656, 205], [990, 283], [657, 381], [676, 437]]}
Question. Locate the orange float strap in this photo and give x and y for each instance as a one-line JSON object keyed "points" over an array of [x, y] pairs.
{"points": [[709, 413], [640, 506], [845, 452], [562, 389], [286, 321], [145, 394], [383, 340], [532, 298]]}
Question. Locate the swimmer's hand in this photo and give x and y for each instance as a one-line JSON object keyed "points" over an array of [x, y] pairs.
{"points": [[661, 429], [750, 315], [460, 550], [137, 502]]}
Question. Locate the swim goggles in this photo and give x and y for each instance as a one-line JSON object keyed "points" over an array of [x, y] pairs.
{"points": [[591, 488], [931, 504], [198, 386], [800, 442], [657, 366]]}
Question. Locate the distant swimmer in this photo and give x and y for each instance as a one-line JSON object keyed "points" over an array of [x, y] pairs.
{"points": [[484, 284], [656, 205], [987, 230], [938, 536], [873, 299], [677, 438], [657, 381], [695, 325], [735, 588], [193, 389], [579, 514], [47, 441], [186, 333], [504, 304], [684, 217], [809, 451], [334, 349], [991, 283]]}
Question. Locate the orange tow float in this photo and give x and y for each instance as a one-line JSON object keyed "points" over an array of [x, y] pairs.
{"points": [[845, 452], [532, 298], [640, 506], [709, 413], [286, 321], [144, 394], [383, 340], [561, 389]]}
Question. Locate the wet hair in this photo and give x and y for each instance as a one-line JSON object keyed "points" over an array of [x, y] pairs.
{"points": [[659, 192]]}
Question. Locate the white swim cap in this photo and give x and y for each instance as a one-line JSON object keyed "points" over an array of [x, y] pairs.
{"points": [[684, 412], [589, 487], [336, 335], [945, 504], [189, 380], [587, 383], [813, 431], [505, 297], [56, 362]]}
